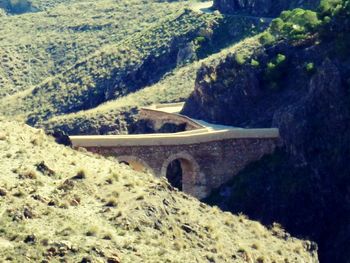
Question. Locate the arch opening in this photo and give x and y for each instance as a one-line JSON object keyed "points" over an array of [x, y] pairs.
{"points": [[174, 174], [181, 172]]}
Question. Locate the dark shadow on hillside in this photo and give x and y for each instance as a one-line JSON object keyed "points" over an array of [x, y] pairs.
{"points": [[17, 7], [270, 191]]}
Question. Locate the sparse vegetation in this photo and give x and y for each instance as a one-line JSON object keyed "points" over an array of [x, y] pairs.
{"points": [[87, 59], [174, 87], [85, 67], [42, 222], [36, 46], [105, 74], [275, 70]]}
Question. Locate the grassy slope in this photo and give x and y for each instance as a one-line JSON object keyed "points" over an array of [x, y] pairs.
{"points": [[35, 46], [112, 211], [86, 84], [113, 117]]}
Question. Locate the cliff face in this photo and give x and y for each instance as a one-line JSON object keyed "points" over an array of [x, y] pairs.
{"points": [[261, 7], [305, 185]]}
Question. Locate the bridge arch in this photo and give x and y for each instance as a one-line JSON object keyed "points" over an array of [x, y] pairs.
{"points": [[135, 163], [189, 172]]}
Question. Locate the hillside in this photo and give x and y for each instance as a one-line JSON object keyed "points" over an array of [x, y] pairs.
{"points": [[297, 81], [118, 116], [138, 60], [35, 46], [86, 67], [114, 70], [58, 204]]}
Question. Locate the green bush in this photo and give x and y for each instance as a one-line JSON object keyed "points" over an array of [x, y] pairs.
{"points": [[327, 7], [310, 67], [200, 39], [295, 24], [275, 70], [240, 59], [280, 59], [255, 63], [276, 26], [266, 38]]}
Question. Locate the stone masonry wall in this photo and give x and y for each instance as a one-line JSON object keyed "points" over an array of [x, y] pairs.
{"points": [[212, 163]]}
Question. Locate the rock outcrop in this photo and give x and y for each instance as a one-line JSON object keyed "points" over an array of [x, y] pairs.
{"points": [[307, 98], [261, 7]]}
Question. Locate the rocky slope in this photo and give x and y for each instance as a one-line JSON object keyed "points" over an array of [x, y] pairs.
{"points": [[118, 116], [112, 71], [61, 205], [126, 66], [301, 87], [40, 45], [261, 7]]}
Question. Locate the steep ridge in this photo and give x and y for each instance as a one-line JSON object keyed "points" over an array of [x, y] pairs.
{"points": [[214, 33], [58, 204], [299, 84], [35, 46], [118, 116], [112, 71]]}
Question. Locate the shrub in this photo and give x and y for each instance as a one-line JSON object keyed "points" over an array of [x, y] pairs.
{"points": [[81, 174], [27, 174], [111, 203], [310, 67], [239, 59], [327, 7], [255, 63], [108, 236], [275, 70], [200, 39], [295, 24], [92, 231], [266, 38], [276, 26], [280, 59]]}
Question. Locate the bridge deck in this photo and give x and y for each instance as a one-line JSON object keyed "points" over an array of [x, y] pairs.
{"points": [[181, 138], [208, 132]]}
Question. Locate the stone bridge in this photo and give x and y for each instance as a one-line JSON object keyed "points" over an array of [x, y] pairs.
{"points": [[196, 161]]}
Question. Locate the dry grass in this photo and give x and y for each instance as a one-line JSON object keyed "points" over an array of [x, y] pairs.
{"points": [[56, 218], [117, 115], [36, 46]]}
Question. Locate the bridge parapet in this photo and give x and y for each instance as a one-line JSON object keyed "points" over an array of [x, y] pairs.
{"points": [[160, 117], [180, 138]]}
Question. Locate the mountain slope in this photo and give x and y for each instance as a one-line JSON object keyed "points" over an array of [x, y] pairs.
{"points": [[298, 81], [131, 64], [114, 70], [118, 116], [36, 46], [58, 204]]}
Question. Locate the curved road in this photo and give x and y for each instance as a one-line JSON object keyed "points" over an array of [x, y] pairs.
{"points": [[206, 7], [203, 7]]}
